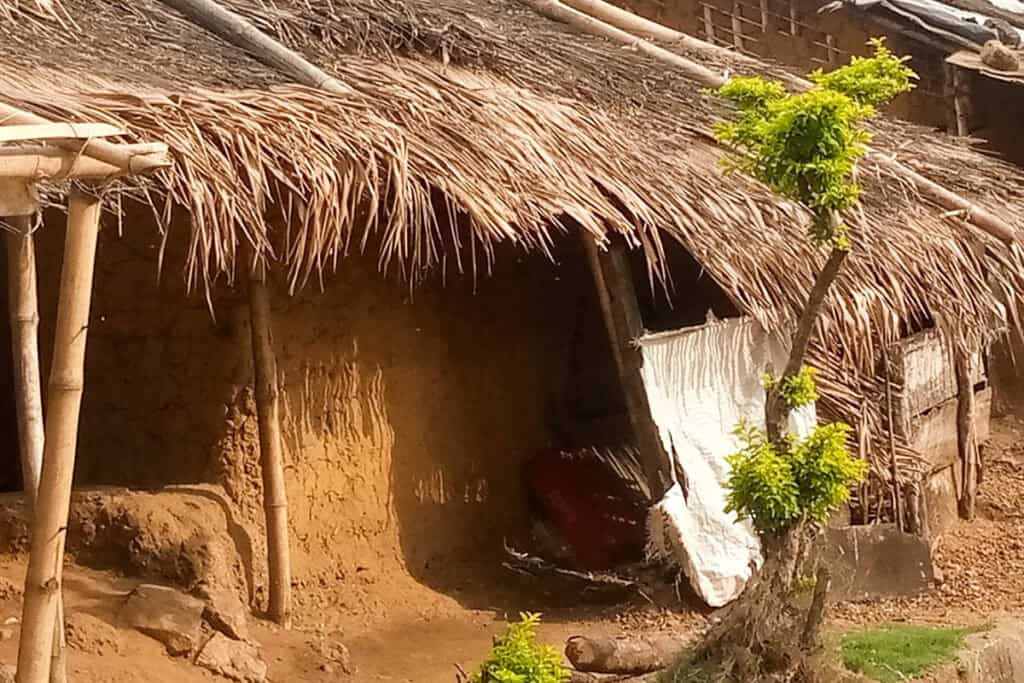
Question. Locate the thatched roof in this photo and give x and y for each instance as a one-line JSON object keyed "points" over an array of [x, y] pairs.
{"points": [[479, 121]]}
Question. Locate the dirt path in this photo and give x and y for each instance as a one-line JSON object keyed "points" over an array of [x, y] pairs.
{"points": [[423, 635]]}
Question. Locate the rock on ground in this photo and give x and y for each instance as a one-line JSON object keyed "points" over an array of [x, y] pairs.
{"points": [[225, 612], [233, 659], [7, 673], [86, 633], [335, 655], [167, 615]]}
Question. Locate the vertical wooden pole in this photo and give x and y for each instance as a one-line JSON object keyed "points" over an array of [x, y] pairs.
{"points": [[737, 27], [621, 311], [64, 401], [966, 434], [24, 311], [709, 24], [897, 498], [275, 497], [957, 100]]}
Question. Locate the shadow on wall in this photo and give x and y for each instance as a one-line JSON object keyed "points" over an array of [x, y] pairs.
{"points": [[407, 421]]}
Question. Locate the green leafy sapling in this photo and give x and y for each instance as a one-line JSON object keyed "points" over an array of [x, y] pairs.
{"points": [[517, 657], [805, 147]]}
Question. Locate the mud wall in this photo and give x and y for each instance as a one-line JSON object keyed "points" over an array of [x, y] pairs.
{"points": [[406, 417]]}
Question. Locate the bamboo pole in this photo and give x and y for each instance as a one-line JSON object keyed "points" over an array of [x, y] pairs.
{"points": [[24, 311], [265, 49], [41, 605], [621, 312], [50, 162], [616, 24], [123, 156], [275, 497]]}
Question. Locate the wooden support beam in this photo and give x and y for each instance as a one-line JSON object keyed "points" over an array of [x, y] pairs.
{"points": [[41, 163], [64, 400], [897, 495], [24, 313], [242, 34], [620, 308], [126, 158], [275, 496], [966, 433], [23, 303], [57, 131]]}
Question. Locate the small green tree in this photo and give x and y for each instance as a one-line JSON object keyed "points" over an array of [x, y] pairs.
{"points": [[805, 147], [517, 657]]}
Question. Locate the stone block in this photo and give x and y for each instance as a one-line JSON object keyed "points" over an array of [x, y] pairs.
{"points": [[167, 615], [232, 659], [876, 561]]}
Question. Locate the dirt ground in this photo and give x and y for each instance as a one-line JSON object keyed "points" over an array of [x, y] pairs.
{"points": [[412, 633]]}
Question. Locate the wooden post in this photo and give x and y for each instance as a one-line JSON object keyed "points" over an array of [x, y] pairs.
{"points": [[957, 98], [275, 497], [621, 311], [737, 27], [966, 435], [24, 312], [897, 499], [64, 401], [709, 24]]}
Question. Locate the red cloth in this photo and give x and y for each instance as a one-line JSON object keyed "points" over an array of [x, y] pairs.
{"points": [[589, 506]]}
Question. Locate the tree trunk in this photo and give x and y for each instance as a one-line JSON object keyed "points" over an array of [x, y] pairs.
{"points": [[275, 497], [764, 632], [776, 409], [24, 309], [49, 525]]}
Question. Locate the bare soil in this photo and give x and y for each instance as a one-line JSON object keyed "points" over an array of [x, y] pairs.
{"points": [[408, 632]]}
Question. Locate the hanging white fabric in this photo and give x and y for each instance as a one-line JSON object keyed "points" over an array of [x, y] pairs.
{"points": [[701, 383]]}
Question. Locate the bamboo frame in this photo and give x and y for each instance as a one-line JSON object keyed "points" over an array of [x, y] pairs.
{"points": [[275, 496], [599, 18], [37, 162], [49, 527], [125, 157], [24, 313], [57, 131]]}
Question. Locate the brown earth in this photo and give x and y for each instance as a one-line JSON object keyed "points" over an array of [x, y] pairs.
{"points": [[408, 632]]}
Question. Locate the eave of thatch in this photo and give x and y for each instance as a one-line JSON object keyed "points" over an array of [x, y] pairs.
{"points": [[474, 123]]}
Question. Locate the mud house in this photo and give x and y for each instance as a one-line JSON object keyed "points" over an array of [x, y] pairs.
{"points": [[436, 320]]}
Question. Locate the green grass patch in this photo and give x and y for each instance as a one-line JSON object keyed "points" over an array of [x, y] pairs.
{"points": [[897, 652]]}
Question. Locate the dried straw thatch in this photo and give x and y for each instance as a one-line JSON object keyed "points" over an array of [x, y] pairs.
{"points": [[479, 121]]}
